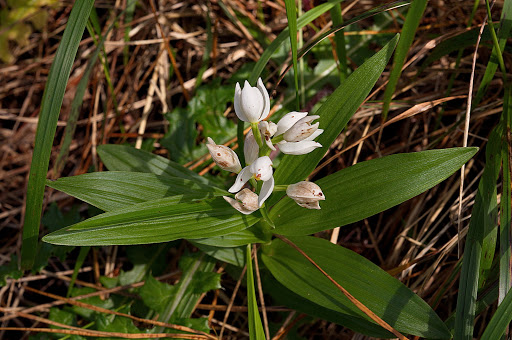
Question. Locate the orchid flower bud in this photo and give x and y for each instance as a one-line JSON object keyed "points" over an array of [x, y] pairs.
{"points": [[267, 130], [301, 130], [225, 158], [245, 201], [306, 194], [252, 104], [288, 121], [251, 148]]}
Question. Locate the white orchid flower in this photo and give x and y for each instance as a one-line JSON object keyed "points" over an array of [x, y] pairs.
{"points": [[225, 158], [306, 194], [245, 201], [297, 134], [261, 170], [252, 104]]}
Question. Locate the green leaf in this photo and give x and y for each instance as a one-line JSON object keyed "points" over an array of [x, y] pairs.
{"points": [[335, 114], [503, 34], [112, 190], [127, 158], [256, 331], [368, 188], [156, 295], [483, 219], [412, 21], [160, 220], [380, 292], [283, 296], [291, 14], [47, 124], [253, 234], [234, 255], [10, 270], [500, 320]]}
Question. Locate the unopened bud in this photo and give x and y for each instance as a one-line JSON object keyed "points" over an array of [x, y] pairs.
{"points": [[306, 194], [225, 158]]}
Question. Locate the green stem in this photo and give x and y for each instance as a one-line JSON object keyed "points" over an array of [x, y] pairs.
{"points": [[280, 187], [278, 139]]}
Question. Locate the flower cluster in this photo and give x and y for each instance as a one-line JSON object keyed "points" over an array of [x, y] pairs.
{"points": [[294, 134]]}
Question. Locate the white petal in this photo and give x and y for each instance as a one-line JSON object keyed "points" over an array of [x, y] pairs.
{"points": [[266, 190], [266, 99], [243, 176], [238, 97], [267, 130], [252, 103], [299, 148], [262, 168], [288, 120], [315, 134], [251, 148]]}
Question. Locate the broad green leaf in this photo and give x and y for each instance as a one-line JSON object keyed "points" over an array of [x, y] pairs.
{"points": [[335, 114], [110, 190], [380, 292], [368, 188], [233, 255], [255, 327], [47, 124], [483, 219], [160, 220], [127, 158], [412, 21], [253, 234], [283, 296], [500, 320]]}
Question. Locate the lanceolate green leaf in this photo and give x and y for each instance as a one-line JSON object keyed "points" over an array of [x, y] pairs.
{"points": [[414, 15], [110, 190], [384, 295], [368, 188], [483, 217], [335, 114], [127, 158], [253, 234], [291, 14], [156, 221], [47, 124]]}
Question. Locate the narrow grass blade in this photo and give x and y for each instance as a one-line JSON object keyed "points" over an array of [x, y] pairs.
{"points": [[50, 109], [256, 331], [505, 214], [500, 320], [492, 66], [291, 14], [483, 219], [412, 21], [78, 264], [339, 41]]}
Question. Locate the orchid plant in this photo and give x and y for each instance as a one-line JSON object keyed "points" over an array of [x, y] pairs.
{"points": [[150, 199], [294, 134]]}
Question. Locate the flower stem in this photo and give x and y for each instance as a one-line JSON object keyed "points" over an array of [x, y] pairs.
{"points": [[278, 139], [257, 134]]}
